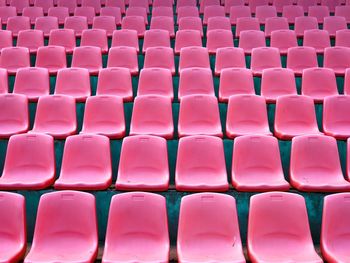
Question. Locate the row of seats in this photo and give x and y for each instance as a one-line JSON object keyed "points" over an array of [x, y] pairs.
{"points": [[278, 229]]}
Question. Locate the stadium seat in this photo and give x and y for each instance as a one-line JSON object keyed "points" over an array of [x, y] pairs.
{"points": [[200, 164], [253, 4], [246, 23], [337, 58], [218, 22], [264, 12], [185, 3], [77, 23], [163, 23], [229, 57], [199, 114], [305, 4], [6, 12], [4, 83], [134, 23], [300, 58], [44, 4], [334, 227], [160, 57], [139, 3], [155, 81], [246, 114], [96, 4], [319, 83], [318, 39], [291, 12], [295, 115], [106, 23], [33, 13], [143, 164], [275, 23], [74, 82], [277, 82], [196, 81], [279, 4], [205, 3], [31, 39], [64, 38], [303, 23], [5, 39], [283, 40], [137, 218], [185, 11], [14, 116], [191, 23], [229, 3], [29, 163], [319, 11], [104, 115], [156, 38], [88, 57], [125, 57], [194, 57], [72, 230], [14, 58], [56, 116], [95, 38], [125, 37], [237, 12], [60, 12], [251, 39], [334, 23], [13, 227], [70, 4], [335, 117], [137, 11], [46, 24], [284, 217], [162, 3], [235, 81], [187, 38], [331, 4], [85, 11], [19, 4], [347, 82], [17, 23], [219, 38], [315, 165], [264, 58], [115, 3], [115, 12], [152, 115], [116, 82], [162, 11], [218, 241], [342, 38], [343, 11], [32, 82], [213, 11], [52, 58], [256, 164]]}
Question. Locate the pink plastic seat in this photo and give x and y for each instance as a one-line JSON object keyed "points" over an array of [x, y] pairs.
{"points": [[116, 82], [5, 39], [164, 23], [64, 38], [31, 39], [125, 57], [33, 13], [14, 116], [143, 164], [335, 117], [229, 3], [14, 58], [115, 12], [186, 11], [85, 11], [295, 115], [152, 115], [246, 23], [319, 83], [7, 12], [199, 114], [318, 39], [162, 3], [332, 4], [246, 114], [4, 83], [256, 164], [13, 227], [88, 57], [29, 163], [77, 23], [187, 38], [70, 4], [72, 230], [342, 38], [217, 242], [185, 3], [196, 81], [194, 57], [86, 163], [155, 81], [347, 82], [335, 227], [137, 11], [116, 3], [160, 57], [137, 218], [250, 39], [96, 4], [19, 4], [18, 23], [279, 4], [291, 12], [305, 4], [156, 38], [275, 23], [337, 59], [334, 23], [205, 3], [219, 38], [303, 23], [106, 23], [46, 24], [343, 11], [264, 58], [278, 229], [162, 11], [237, 12], [277, 82], [139, 3], [253, 4], [74, 82], [218, 22], [229, 57], [134, 23], [300, 58], [95, 38], [125, 37], [32, 82], [234, 81], [60, 12], [52, 58], [191, 23], [315, 165], [56, 116], [264, 12], [44, 4], [201, 165], [320, 12], [213, 11]]}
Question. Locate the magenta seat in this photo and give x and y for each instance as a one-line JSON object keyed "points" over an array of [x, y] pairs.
{"points": [[14, 116], [196, 81], [219, 22], [209, 240], [87, 57], [13, 227], [155, 81], [213, 11], [74, 82], [291, 12], [137, 11], [305, 4], [256, 164], [163, 23], [104, 115], [19, 5], [342, 38], [250, 39], [56, 116], [315, 165], [17, 23], [72, 230], [191, 23], [237, 12], [246, 23], [33, 12], [264, 58], [199, 114], [318, 39], [14, 58], [125, 37], [31, 39], [96, 4], [32, 82], [319, 11], [283, 40], [60, 12], [86, 163], [334, 23], [116, 82], [279, 4], [335, 117], [162, 3], [139, 3], [137, 218], [246, 114], [186, 11], [160, 57], [106, 23], [152, 115], [229, 57], [347, 82], [185, 3], [278, 229], [124, 57], [46, 24], [219, 38], [303, 23], [264, 12], [275, 23], [77, 23], [156, 38], [187, 38], [85, 11], [64, 38], [44, 4], [162, 11], [70, 4], [4, 83], [7, 12], [235, 81], [29, 163], [115, 12], [116, 3], [332, 4], [143, 164], [300, 58], [343, 11], [295, 115], [337, 59], [191, 57], [134, 23], [229, 3], [52, 58], [5, 39], [95, 38], [206, 3], [201, 165], [253, 4]]}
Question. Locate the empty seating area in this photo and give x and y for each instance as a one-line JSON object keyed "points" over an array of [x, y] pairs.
{"points": [[174, 131]]}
